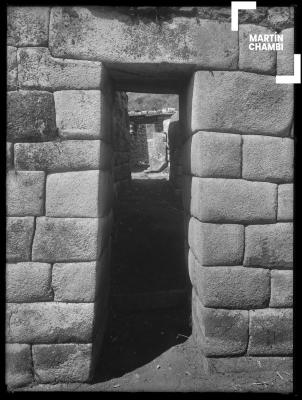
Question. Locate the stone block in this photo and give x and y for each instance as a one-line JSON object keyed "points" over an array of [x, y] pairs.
{"points": [[216, 244], [280, 17], [80, 114], [12, 68], [74, 282], [9, 155], [70, 239], [28, 282], [233, 200], [79, 194], [285, 202], [285, 58], [231, 287], [68, 362], [186, 192], [281, 289], [27, 26], [25, 193], [114, 36], [271, 332], [121, 172], [49, 322], [239, 102], [269, 246], [211, 154], [19, 238], [18, 365], [249, 364], [261, 62], [63, 156], [267, 159], [39, 70], [30, 116], [219, 332]]}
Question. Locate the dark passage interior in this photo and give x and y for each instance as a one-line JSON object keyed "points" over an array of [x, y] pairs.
{"points": [[149, 293]]}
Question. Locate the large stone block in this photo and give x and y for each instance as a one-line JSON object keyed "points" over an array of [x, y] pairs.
{"points": [[269, 246], [12, 68], [25, 193], [267, 159], [62, 362], [70, 239], [74, 281], [30, 116], [285, 202], [28, 282], [27, 26], [216, 244], [19, 238], [211, 154], [49, 322], [285, 58], [219, 332], [80, 114], [63, 156], [281, 289], [231, 287], [79, 194], [18, 365], [271, 332], [9, 155], [114, 36], [255, 60], [249, 364], [239, 102], [39, 70], [233, 200]]}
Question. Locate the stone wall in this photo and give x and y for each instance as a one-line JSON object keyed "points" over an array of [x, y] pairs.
{"points": [[236, 123], [238, 196]]}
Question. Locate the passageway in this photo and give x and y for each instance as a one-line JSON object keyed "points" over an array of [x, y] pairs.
{"points": [[149, 282]]}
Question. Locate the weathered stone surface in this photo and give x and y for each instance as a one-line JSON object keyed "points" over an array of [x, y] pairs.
{"points": [[280, 17], [30, 116], [24, 193], [27, 26], [79, 194], [19, 238], [114, 36], [249, 364], [216, 244], [70, 239], [63, 156], [285, 202], [28, 282], [219, 332], [271, 332], [285, 58], [281, 289], [49, 322], [74, 281], [62, 362], [79, 114], [233, 200], [18, 371], [9, 155], [263, 62], [267, 159], [269, 246], [39, 70], [12, 68], [211, 154], [231, 287], [239, 102]]}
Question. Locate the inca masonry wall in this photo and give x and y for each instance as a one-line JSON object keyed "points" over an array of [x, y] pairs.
{"points": [[236, 127]]}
